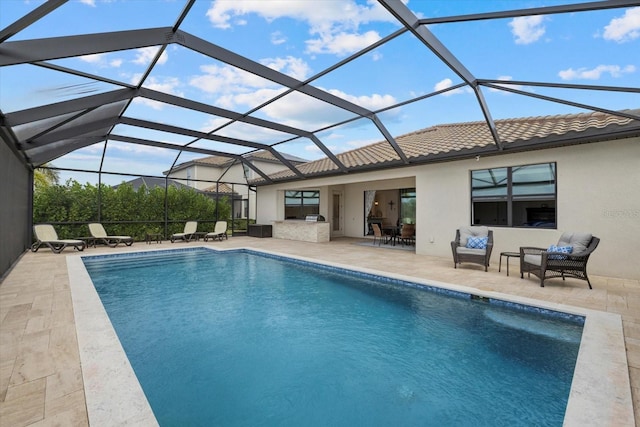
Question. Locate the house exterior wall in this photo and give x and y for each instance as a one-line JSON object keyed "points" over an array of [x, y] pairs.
{"points": [[598, 192], [203, 176]]}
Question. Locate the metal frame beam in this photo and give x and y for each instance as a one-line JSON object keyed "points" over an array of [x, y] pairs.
{"points": [[48, 111], [402, 13], [50, 141], [40, 155], [549, 10], [36, 50], [564, 101], [22, 23], [205, 151]]}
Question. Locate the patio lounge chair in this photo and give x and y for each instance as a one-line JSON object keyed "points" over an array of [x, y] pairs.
{"points": [[45, 234], [472, 244], [219, 232], [99, 234], [189, 232], [566, 259]]}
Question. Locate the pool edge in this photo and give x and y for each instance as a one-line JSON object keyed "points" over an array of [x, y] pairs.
{"points": [[600, 391]]}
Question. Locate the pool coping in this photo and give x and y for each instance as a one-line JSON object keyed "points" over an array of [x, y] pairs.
{"points": [[600, 391]]}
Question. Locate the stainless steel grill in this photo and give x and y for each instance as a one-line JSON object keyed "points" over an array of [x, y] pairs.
{"points": [[314, 218]]}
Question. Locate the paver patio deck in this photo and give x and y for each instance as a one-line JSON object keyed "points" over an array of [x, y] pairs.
{"points": [[40, 374]]}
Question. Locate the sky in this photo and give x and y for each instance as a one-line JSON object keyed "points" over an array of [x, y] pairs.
{"points": [[304, 38]]}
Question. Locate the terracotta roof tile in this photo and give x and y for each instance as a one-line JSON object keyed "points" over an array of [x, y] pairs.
{"points": [[456, 137], [222, 188]]}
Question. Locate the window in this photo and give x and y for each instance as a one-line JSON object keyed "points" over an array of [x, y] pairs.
{"points": [[408, 205], [517, 196], [189, 177], [299, 204]]}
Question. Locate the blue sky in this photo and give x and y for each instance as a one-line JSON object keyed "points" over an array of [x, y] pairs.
{"points": [[303, 38]]}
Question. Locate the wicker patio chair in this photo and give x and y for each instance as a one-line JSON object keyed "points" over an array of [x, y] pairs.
{"points": [[546, 264], [466, 251], [377, 234], [408, 234]]}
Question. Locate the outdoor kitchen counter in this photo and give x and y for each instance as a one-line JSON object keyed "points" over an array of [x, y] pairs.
{"points": [[305, 231]]}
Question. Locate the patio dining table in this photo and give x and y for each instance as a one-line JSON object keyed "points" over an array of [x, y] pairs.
{"points": [[392, 231]]}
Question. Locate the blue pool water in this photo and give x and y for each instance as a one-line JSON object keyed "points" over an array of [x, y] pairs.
{"points": [[238, 338]]}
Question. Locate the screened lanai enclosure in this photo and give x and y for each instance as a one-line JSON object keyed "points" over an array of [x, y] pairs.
{"points": [[238, 94]]}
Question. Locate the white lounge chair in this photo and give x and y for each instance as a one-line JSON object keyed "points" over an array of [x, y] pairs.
{"points": [[99, 234], [219, 232], [190, 229], [45, 234]]}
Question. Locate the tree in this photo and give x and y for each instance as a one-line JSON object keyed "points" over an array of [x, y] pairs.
{"points": [[44, 177]]}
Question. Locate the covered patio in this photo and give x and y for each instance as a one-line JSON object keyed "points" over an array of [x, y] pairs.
{"points": [[41, 379]]}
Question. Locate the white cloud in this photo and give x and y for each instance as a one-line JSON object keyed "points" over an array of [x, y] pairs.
{"points": [[244, 131], [126, 148], [236, 89], [278, 38], [91, 3], [291, 66], [317, 14], [100, 59], [445, 84], [334, 25], [595, 73], [95, 58], [341, 44], [624, 29], [225, 79], [372, 102], [527, 29], [505, 78], [145, 55], [168, 85]]}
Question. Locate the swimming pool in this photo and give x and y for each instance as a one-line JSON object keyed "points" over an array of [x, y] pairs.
{"points": [[347, 352]]}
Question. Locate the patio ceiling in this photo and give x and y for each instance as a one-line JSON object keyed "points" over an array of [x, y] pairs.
{"points": [[95, 108]]}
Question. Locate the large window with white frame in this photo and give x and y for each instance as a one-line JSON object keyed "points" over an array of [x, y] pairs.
{"points": [[515, 196]]}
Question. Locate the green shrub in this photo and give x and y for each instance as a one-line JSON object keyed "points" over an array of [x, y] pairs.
{"points": [[124, 211]]}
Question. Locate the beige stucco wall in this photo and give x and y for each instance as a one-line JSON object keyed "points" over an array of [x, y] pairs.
{"points": [[598, 192]]}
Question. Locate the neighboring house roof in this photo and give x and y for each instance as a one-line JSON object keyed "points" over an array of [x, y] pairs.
{"points": [[222, 188], [445, 142], [151, 182], [224, 162]]}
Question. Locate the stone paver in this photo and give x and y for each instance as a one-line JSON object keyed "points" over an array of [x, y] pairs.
{"points": [[40, 374]]}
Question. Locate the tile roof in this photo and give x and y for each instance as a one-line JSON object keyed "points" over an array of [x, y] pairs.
{"points": [[222, 188], [224, 162], [152, 182], [467, 139]]}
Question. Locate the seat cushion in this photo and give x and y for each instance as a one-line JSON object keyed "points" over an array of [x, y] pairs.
{"points": [[469, 251], [579, 241], [472, 231], [533, 259]]}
